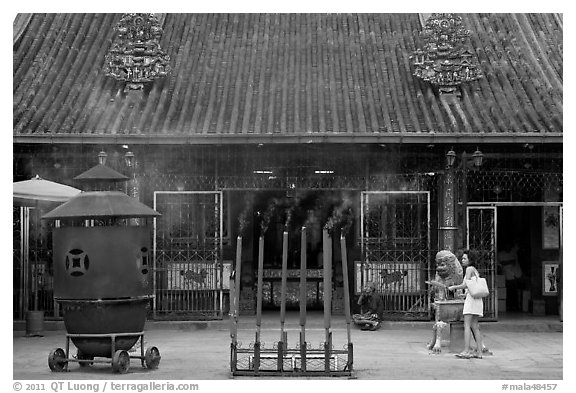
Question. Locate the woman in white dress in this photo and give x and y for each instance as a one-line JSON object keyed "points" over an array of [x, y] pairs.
{"points": [[473, 309]]}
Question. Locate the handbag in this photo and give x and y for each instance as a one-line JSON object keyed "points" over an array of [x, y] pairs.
{"points": [[477, 287]]}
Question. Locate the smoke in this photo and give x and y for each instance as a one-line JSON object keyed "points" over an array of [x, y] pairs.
{"points": [[311, 211], [267, 215], [243, 217], [293, 207], [342, 216], [307, 208], [288, 207]]}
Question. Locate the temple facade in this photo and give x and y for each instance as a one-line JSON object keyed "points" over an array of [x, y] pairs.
{"points": [[404, 133]]}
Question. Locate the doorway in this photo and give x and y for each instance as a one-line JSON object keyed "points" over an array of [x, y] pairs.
{"points": [[514, 257], [528, 258], [521, 252]]}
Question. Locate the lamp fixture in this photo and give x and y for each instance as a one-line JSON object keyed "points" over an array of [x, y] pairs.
{"points": [[129, 159], [450, 158], [478, 158], [102, 157]]}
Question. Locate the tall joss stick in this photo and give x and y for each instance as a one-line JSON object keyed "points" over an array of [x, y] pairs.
{"points": [[303, 286], [238, 274], [283, 286], [232, 312], [346, 290], [327, 264], [259, 293], [259, 303], [235, 292]]}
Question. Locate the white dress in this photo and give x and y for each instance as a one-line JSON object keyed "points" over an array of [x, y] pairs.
{"points": [[471, 305]]}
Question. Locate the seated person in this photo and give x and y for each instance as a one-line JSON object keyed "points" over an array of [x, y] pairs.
{"points": [[371, 308]]}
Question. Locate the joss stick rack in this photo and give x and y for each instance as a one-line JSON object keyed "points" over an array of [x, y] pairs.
{"points": [[302, 359]]}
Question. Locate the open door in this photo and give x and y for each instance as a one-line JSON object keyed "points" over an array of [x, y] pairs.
{"points": [[481, 236]]}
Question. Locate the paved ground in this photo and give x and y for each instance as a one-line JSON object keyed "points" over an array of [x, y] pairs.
{"points": [[522, 350]]}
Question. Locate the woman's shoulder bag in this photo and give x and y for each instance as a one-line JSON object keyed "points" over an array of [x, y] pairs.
{"points": [[477, 287]]}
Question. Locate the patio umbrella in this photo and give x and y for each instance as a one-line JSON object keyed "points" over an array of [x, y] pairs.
{"points": [[37, 191]]}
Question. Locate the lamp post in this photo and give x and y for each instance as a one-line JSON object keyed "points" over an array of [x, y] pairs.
{"points": [[448, 227]]}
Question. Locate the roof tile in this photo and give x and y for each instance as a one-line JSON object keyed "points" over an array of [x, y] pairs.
{"points": [[286, 74]]}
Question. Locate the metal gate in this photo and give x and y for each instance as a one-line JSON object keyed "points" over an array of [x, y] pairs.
{"points": [[188, 279], [481, 236], [395, 240]]}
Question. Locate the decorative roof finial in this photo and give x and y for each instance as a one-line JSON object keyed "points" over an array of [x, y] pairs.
{"points": [[135, 55], [445, 60]]}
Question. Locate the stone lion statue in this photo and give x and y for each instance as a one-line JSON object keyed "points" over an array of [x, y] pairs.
{"points": [[448, 272]]}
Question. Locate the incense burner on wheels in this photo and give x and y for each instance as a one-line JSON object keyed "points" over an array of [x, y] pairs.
{"points": [[102, 280]]}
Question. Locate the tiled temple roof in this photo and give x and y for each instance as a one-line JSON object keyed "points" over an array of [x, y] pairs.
{"points": [[244, 78]]}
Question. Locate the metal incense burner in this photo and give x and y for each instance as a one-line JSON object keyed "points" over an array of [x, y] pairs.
{"points": [[102, 279]]}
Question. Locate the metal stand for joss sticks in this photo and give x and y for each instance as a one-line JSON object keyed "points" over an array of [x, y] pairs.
{"points": [[303, 360]]}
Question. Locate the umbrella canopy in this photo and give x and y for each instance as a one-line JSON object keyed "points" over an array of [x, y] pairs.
{"points": [[101, 204], [37, 190]]}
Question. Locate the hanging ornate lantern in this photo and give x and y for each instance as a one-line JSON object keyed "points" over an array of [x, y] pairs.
{"points": [[135, 56], [445, 61], [478, 158], [102, 157], [450, 158]]}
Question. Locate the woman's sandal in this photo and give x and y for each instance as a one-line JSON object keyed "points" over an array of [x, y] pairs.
{"points": [[486, 351], [464, 355]]}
